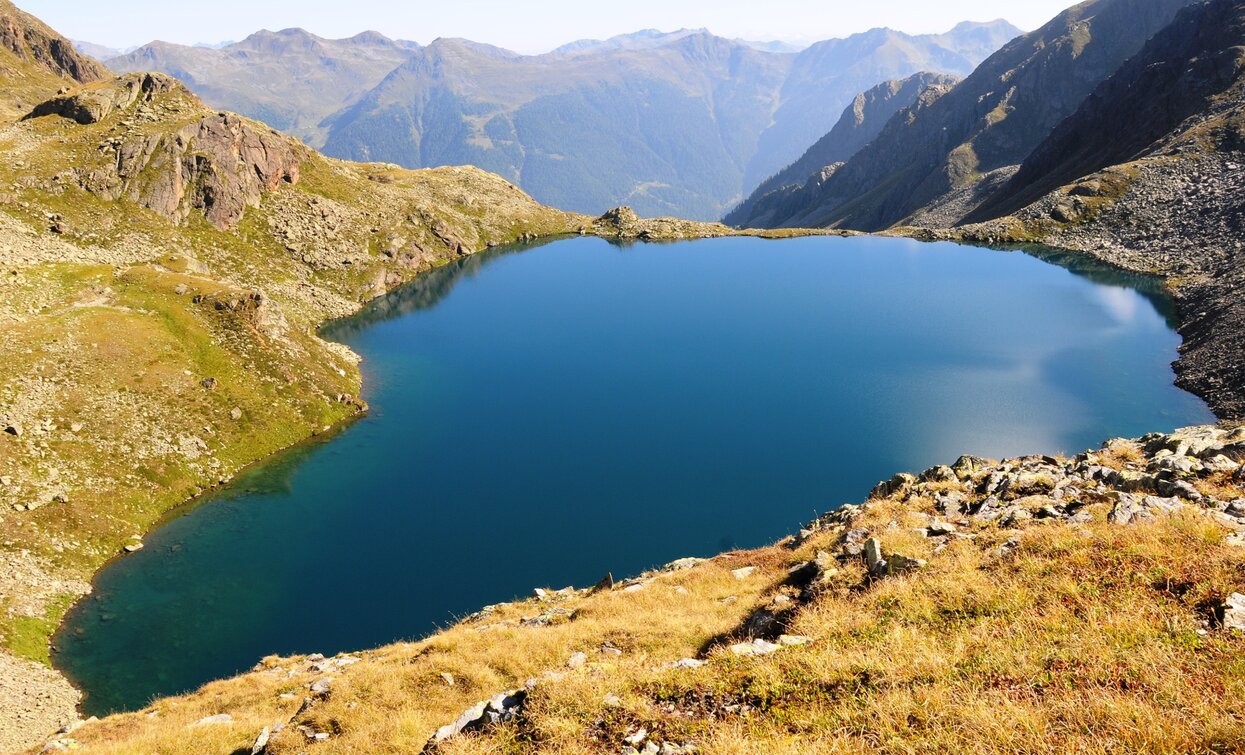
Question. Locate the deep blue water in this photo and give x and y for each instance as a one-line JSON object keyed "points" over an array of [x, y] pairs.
{"points": [[545, 417]]}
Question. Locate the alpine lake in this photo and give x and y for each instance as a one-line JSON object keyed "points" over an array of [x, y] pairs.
{"points": [[544, 415]]}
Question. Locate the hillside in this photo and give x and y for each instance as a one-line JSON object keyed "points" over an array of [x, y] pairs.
{"points": [[860, 124], [291, 79], [1039, 605], [34, 59], [934, 168], [1184, 88]]}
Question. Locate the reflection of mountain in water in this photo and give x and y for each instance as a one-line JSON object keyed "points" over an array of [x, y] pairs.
{"points": [[424, 292], [1149, 286]]}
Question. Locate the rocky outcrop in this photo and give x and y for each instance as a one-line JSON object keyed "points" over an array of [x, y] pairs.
{"points": [[32, 41], [93, 104], [219, 164], [1196, 469], [623, 223]]}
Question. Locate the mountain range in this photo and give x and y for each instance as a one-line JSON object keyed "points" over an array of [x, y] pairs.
{"points": [[681, 123], [166, 268], [940, 158]]}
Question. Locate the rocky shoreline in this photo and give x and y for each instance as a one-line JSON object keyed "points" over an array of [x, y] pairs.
{"points": [[988, 512]]}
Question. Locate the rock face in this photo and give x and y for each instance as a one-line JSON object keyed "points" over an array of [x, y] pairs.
{"points": [[1193, 69], [220, 164], [93, 104], [32, 41], [782, 195]]}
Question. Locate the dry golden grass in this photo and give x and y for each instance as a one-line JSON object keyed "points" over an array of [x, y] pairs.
{"points": [[1090, 638], [1119, 454]]}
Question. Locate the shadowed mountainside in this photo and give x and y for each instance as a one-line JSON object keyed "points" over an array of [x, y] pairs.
{"points": [[932, 166], [782, 194]]}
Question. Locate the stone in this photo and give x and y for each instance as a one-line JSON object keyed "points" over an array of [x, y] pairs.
{"points": [[854, 542], [612, 701], [689, 663], [950, 504], [1127, 508], [636, 737], [1234, 612], [577, 660], [322, 686], [1015, 516], [447, 678], [682, 563], [209, 383], [873, 557], [939, 474], [1178, 488], [893, 486], [939, 528], [756, 647], [235, 414], [261, 742], [744, 573], [133, 547], [898, 564], [501, 708], [13, 429], [966, 466]]}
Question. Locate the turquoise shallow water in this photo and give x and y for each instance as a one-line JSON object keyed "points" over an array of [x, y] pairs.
{"points": [[543, 417]]}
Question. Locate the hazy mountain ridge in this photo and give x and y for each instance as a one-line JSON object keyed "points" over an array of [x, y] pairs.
{"points": [[290, 79], [684, 127]]}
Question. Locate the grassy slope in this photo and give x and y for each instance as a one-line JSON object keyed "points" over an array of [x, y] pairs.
{"points": [[1089, 637]]}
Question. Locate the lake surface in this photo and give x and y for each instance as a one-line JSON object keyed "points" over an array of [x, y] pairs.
{"points": [[544, 417]]}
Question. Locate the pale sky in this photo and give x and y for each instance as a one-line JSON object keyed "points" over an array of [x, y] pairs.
{"points": [[527, 26]]}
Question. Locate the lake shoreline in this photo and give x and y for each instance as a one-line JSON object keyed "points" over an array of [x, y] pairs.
{"points": [[325, 327], [25, 721]]}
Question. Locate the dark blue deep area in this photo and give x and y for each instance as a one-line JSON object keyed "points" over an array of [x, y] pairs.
{"points": [[545, 417]]}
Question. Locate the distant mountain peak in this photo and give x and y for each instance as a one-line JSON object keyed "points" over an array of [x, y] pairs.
{"points": [[637, 40]]}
